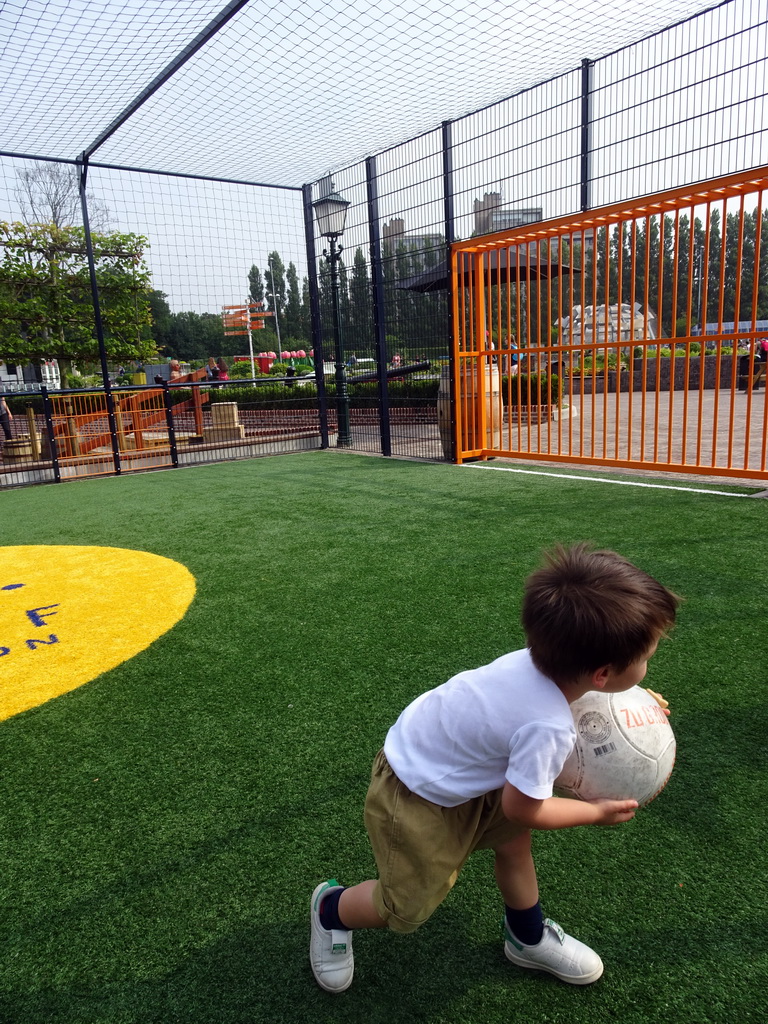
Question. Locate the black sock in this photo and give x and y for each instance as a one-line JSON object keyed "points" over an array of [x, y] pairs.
{"points": [[526, 925], [329, 911]]}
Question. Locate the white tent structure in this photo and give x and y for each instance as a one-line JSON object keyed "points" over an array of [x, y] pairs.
{"points": [[616, 323]]}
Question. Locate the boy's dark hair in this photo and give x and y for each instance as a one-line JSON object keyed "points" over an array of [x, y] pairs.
{"points": [[584, 609]]}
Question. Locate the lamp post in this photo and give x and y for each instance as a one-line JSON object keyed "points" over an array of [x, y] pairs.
{"points": [[331, 214]]}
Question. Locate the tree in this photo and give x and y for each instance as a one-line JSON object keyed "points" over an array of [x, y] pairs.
{"points": [[49, 193], [713, 269], [255, 285], [46, 309], [292, 319], [162, 320], [274, 277], [195, 336], [359, 330]]}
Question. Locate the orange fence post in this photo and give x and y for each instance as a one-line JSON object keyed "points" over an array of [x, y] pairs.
{"points": [[121, 438], [74, 440], [34, 440], [197, 406]]}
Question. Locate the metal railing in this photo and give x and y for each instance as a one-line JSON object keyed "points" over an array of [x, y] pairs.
{"points": [[70, 435], [610, 385]]}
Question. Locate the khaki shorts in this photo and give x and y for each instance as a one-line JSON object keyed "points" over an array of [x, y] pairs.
{"points": [[420, 847]]}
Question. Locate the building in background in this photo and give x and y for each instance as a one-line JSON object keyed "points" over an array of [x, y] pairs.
{"points": [[491, 215], [393, 235], [14, 377]]}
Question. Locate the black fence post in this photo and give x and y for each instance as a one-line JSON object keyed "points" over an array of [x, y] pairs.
{"points": [[379, 324], [450, 235], [48, 413], [314, 315], [99, 327], [586, 122], [171, 425]]}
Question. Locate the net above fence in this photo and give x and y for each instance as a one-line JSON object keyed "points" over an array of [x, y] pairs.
{"points": [[280, 92]]}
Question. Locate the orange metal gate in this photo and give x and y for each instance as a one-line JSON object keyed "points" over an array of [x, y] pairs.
{"points": [[632, 335], [83, 438], [81, 430]]}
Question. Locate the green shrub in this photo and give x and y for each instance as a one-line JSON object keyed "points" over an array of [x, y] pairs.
{"points": [[268, 396], [242, 370], [531, 389], [19, 404], [400, 392]]}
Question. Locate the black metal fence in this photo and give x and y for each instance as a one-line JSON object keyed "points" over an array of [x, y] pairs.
{"points": [[683, 105], [51, 436], [70, 435]]}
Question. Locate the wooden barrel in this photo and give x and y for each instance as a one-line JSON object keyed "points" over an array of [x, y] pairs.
{"points": [[444, 412], [20, 449], [470, 434]]}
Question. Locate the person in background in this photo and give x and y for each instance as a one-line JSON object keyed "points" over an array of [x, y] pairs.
{"points": [[514, 359], [212, 369], [751, 362], [175, 369], [223, 368], [5, 419]]}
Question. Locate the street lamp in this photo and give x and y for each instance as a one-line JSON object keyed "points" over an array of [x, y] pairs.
{"points": [[331, 213]]}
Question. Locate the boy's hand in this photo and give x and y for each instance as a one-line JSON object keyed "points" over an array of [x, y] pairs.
{"points": [[559, 812], [614, 812], [663, 704]]}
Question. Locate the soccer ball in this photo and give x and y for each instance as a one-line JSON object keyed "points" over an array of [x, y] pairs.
{"points": [[625, 748]]}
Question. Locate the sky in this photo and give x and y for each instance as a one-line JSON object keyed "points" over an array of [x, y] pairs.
{"points": [[288, 91]]}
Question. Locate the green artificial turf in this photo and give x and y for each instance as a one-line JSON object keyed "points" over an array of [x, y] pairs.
{"points": [[164, 825]]}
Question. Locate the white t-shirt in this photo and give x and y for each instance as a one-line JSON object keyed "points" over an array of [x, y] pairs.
{"points": [[501, 722]]}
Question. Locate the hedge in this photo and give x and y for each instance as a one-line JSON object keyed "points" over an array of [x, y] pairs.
{"points": [[278, 395], [531, 389]]}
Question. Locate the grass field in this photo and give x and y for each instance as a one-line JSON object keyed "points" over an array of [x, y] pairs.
{"points": [[164, 825]]}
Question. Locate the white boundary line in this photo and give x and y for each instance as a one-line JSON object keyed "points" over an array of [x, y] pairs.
{"points": [[604, 480]]}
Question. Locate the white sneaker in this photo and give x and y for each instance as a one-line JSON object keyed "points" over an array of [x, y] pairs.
{"points": [[558, 953], [330, 952]]}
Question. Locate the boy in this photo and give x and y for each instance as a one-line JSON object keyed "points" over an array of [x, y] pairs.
{"points": [[470, 765]]}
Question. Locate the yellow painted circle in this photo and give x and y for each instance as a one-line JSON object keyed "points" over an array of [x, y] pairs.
{"points": [[67, 614]]}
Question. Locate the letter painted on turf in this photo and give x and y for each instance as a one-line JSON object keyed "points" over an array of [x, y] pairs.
{"points": [[32, 644], [39, 620], [4, 651]]}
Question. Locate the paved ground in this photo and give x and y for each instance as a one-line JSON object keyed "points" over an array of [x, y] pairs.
{"points": [[713, 435], [712, 432]]}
